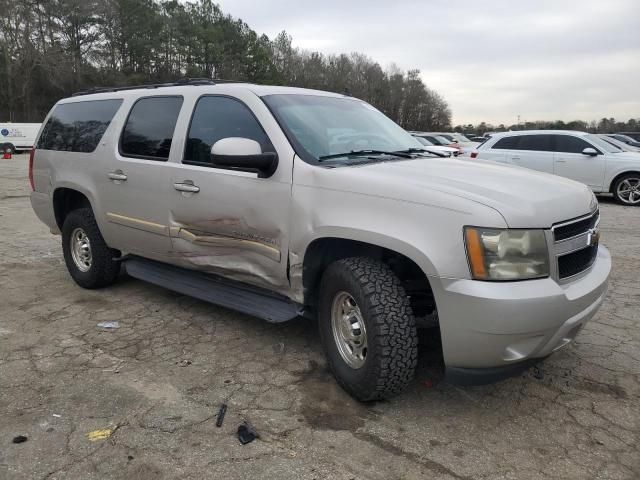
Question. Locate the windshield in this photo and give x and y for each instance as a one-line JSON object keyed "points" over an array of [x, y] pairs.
{"points": [[424, 141], [606, 146], [621, 147], [320, 126], [443, 140], [462, 138]]}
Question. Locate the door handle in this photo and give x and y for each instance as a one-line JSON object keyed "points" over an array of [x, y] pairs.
{"points": [[515, 158], [117, 176], [186, 187], [561, 161]]}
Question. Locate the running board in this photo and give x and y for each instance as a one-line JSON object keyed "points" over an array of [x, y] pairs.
{"points": [[244, 298]]}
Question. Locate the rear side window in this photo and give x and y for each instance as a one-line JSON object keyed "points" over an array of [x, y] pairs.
{"points": [[149, 129], [571, 144], [79, 126], [507, 143], [538, 143], [215, 118]]}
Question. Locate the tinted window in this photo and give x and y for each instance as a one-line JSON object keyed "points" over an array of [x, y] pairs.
{"points": [[507, 143], [570, 144], [539, 143], [149, 128], [78, 127], [215, 118]]}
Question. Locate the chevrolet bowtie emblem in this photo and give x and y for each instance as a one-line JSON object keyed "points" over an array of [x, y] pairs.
{"points": [[593, 237]]}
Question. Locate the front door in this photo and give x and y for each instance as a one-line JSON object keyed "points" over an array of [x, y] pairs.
{"points": [[571, 163], [229, 222]]}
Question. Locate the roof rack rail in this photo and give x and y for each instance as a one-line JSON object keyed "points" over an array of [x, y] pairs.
{"points": [[177, 83]]}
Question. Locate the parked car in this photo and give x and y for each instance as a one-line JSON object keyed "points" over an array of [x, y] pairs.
{"points": [[580, 156], [463, 142], [15, 137], [625, 139], [621, 146], [447, 151], [633, 135], [438, 140], [252, 197]]}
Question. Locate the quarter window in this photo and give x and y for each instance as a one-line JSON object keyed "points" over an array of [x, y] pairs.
{"points": [[571, 144], [79, 126], [215, 118], [149, 129]]}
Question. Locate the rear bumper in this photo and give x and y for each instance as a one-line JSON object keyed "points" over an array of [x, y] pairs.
{"points": [[511, 325]]}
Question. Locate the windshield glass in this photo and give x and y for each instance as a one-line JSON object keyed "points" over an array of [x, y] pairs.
{"points": [[424, 141], [443, 140], [606, 146], [462, 138], [612, 141], [320, 126]]}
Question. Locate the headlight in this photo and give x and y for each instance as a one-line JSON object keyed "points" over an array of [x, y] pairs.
{"points": [[499, 254]]}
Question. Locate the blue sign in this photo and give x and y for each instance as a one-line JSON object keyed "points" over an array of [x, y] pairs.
{"points": [[4, 132]]}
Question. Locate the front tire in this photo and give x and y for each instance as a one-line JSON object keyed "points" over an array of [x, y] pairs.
{"points": [[89, 260], [626, 189], [367, 328]]}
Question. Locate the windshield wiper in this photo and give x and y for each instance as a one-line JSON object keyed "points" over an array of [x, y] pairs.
{"points": [[422, 150], [360, 153]]}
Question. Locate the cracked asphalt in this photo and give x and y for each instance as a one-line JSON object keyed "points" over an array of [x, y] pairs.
{"points": [[158, 380]]}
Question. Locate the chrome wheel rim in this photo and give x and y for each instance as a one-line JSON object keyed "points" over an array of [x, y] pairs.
{"points": [[81, 250], [349, 330], [629, 190]]}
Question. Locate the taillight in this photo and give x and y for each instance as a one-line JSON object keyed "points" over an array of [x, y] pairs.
{"points": [[474, 154], [31, 154]]}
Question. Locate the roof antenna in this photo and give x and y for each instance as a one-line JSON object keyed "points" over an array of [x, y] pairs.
{"points": [[347, 92]]}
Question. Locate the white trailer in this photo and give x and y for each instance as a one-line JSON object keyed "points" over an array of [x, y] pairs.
{"points": [[18, 136]]}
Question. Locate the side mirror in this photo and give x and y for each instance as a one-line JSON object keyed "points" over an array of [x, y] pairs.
{"points": [[243, 154], [592, 152]]}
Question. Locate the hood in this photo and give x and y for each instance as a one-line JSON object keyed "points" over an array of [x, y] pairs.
{"points": [[525, 198]]}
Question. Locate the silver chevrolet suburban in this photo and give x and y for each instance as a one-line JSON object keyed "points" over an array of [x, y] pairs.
{"points": [[280, 202]]}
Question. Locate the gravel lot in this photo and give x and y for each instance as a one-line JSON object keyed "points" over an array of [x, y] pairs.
{"points": [[157, 382]]}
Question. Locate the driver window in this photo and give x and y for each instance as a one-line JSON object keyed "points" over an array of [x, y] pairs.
{"points": [[215, 118]]}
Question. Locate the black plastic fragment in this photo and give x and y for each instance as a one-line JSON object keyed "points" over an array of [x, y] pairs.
{"points": [[247, 433], [19, 439], [221, 412]]}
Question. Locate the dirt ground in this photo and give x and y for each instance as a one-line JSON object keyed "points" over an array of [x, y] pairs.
{"points": [[140, 402]]}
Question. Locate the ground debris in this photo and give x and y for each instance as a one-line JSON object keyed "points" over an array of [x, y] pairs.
{"points": [[247, 433]]}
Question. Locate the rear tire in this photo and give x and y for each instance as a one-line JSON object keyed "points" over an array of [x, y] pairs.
{"points": [[376, 360], [626, 189], [89, 260], [8, 148]]}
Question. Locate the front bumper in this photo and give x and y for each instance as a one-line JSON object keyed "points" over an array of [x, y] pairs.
{"points": [[499, 325]]}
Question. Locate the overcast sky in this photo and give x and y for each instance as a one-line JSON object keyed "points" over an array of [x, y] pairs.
{"points": [[492, 60]]}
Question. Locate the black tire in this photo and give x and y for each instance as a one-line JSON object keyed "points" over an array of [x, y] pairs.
{"points": [[633, 177], [8, 148], [391, 334], [103, 270]]}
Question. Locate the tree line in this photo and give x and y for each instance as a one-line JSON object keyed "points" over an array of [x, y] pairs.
{"points": [[50, 49], [605, 125]]}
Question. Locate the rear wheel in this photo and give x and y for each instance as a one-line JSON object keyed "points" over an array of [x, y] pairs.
{"points": [[8, 148], [367, 328], [626, 189], [89, 260]]}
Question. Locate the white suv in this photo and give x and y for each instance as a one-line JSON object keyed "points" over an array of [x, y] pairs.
{"points": [[576, 155]]}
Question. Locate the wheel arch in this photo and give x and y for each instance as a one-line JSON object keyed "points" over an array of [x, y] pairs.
{"points": [[67, 199], [620, 175]]}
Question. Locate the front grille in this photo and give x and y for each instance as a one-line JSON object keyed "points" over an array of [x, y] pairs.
{"points": [[574, 229], [576, 262]]}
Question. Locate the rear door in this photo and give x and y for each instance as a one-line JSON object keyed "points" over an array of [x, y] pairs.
{"points": [[534, 152], [135, 180], [571, 163]]}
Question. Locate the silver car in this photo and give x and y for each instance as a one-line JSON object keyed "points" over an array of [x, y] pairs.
{"points": [[280, 202]]}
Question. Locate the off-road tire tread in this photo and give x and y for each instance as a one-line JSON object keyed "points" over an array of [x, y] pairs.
{"points": [[391, 329], [104, 270]]}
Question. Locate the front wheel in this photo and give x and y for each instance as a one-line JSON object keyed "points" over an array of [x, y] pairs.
{"points": [[89, 260], [367, 328], [626, 190]]}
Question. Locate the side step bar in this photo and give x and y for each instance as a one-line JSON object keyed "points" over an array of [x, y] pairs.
{"points": [[247, 299]]}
